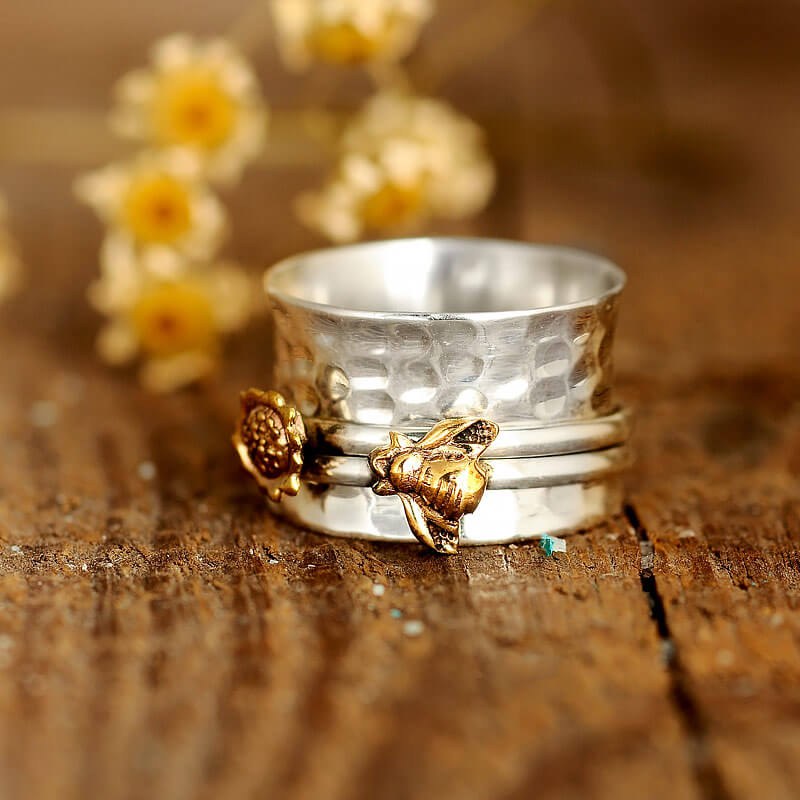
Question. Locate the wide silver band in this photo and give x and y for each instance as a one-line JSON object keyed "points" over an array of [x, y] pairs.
{"points": [[408, 332], [334, 437]]}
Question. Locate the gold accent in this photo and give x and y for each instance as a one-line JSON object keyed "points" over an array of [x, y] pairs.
{"points": [[269, 439], [438, 478]]}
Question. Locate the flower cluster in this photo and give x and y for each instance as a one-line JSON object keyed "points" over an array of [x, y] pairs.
{"points": [[202, 97], [403, 160], [167, 296], [10, 267], [198, 113]]}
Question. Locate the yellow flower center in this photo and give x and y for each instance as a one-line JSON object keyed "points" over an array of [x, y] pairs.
{"points": [[192, 108], [342, 43], [391, 206], [156, 208], [174, 318]]}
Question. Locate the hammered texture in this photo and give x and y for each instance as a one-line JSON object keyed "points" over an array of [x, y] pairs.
{"points": [[504, 515], [541, 366]]}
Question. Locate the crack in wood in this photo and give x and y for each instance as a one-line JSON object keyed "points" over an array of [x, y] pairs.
{"points": [[706, 772]]}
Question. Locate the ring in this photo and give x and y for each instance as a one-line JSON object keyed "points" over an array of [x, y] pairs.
{"points": [[456, 391]]}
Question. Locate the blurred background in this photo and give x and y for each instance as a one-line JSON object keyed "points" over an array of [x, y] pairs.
{"points": [[160, 637]]}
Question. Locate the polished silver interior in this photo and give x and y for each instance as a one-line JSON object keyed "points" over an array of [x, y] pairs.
{"points": [[444, 276]]}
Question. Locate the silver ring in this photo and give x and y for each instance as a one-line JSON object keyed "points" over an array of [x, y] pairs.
{"points": [[334, 437], [503, 473], [443, 389]]}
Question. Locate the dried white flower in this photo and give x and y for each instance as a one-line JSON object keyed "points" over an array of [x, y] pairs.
{"points": [[202, 96], [174, 322], [404, 159], [347, 31], [157, 206]]}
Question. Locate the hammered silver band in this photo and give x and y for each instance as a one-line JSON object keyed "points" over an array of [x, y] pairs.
{"points": [[411, 331], [504, 515], [385, 341]]}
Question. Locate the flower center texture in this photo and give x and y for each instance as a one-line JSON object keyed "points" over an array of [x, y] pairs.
{"points": [[192, 108], [342, 43], [264, 436], [174, 318], [391, 206], [156, 208]]}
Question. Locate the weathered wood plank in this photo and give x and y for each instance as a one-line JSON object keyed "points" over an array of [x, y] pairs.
{"points": [[166, 638], [186, 659]]}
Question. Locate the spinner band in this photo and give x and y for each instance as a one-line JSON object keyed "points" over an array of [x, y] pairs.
{"points": [[336, 437], [501, 473]]}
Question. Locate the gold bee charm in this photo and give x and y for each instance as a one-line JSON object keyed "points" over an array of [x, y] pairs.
{"points": [[269, 439], [438, 478]]}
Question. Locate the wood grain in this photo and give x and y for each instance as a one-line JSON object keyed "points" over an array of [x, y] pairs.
{"points": [[166, 638]]}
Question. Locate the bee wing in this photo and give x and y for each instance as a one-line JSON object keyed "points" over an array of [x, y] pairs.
{"points": [[441, 539], [416, 519], [471, 434], [444, 540]]}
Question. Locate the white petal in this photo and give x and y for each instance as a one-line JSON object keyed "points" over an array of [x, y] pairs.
{"points": [[163, 263], [405, 161], [117, 342], [466, 192], [173, 52], [238, 79], [208, 226], [361, 173], [182, 162], [226, 163], [232, 290], [102, 189], [136, 87], [325, 212], [121, 277], [162, 375]]}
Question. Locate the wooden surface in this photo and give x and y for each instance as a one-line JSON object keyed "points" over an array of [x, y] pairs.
{"points": [[166, 638]]}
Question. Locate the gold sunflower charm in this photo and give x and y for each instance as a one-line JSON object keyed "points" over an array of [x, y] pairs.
{"points": [[438, 479], [269, 439]]}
